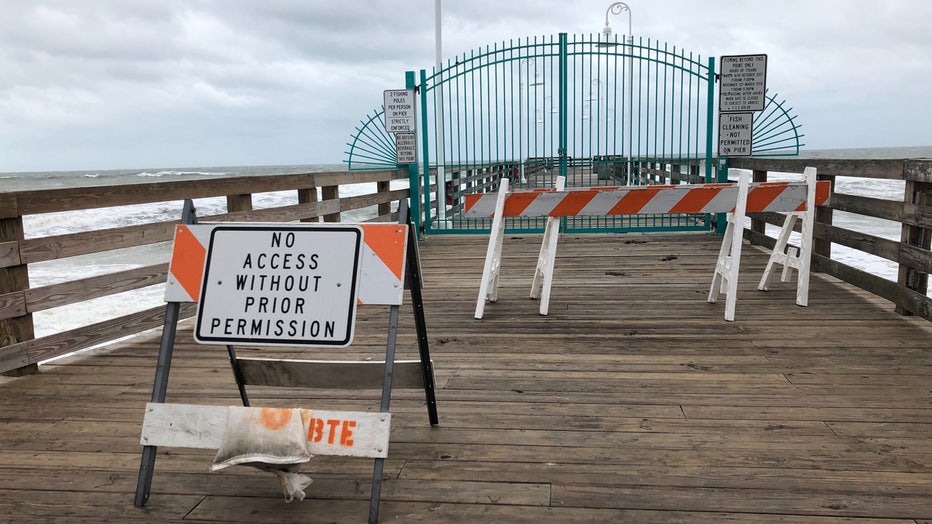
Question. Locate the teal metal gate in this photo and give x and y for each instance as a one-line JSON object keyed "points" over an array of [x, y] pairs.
{"points": [[601, 112]]}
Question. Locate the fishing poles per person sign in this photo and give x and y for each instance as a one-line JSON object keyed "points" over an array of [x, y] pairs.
{"points": [[280, 285]]}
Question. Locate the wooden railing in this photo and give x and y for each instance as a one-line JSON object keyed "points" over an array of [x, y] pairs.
{"points": [[319, 197], [914, 212], [20, 350]]}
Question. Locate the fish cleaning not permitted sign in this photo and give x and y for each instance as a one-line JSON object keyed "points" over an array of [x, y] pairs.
{"points": [[280, 285]]}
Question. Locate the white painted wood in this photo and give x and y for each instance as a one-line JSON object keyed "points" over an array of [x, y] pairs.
{"points": [[805, 252], [378, 284], [488, 287], [792, 257], [727, 268], [543, 274], [202, 427]]}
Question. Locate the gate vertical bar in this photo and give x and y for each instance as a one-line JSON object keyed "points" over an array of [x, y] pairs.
{"points": [[413, 181], [710, 117], [562, 147], [425, 153]]}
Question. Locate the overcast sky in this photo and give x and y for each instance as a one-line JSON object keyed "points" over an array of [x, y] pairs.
{"points": [[106, 84]]}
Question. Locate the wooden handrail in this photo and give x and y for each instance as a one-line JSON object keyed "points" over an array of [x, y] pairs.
{"points": [[20, 350], [911, 253]]}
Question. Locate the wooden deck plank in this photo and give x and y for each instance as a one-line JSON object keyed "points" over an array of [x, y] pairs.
{"points": [[632, 401]]}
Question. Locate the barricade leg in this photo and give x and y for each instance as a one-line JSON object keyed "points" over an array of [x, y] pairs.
{"points": [[780, 254], [543, 274], [488, 288], [725, 279], [790, 257]]}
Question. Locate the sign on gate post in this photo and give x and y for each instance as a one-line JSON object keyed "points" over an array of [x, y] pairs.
{"points": [[399, 111], [743, 83], [280, 285], [734, 134], [742, 91], [405, 148]]}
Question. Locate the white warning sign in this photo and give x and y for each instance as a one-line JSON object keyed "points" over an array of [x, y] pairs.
{"points": [[280, 285], [399, 111], [743, 83], [735, 131], [405, 148]]}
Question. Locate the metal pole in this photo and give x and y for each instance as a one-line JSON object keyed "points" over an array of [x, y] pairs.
{"points": [[163, 367], [521, 116], [617, 8], [630, 97], [438, 107]]}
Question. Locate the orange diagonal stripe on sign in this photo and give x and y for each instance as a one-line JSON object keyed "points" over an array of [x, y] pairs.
{"points": [[633, 201], [187, 263], [572, 203], [516, 203], [471, 201], [696, 199], [388, 243], [822, 190], [761, 196]]}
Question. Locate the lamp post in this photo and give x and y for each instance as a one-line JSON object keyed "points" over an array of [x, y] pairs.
{"points": [[438, 109], [617, 8]]}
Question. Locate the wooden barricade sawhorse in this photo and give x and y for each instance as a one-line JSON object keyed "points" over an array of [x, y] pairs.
{"points": [[389, 264], [798, 199]]}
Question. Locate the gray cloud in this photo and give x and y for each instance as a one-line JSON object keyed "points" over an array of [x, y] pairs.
{"points": [[121, 83]]}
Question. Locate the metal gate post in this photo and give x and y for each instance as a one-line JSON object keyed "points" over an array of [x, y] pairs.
{"points": [[413, 174], [425, 147], [710, 121], [562, 73]]}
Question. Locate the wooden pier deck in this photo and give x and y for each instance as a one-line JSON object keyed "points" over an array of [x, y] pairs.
{"points": [[633, 401]]}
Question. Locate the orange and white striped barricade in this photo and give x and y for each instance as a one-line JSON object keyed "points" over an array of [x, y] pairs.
{"points": [[725, 277], [543, 278], [488, 287], [383, 258], [543, 273], [801, 257], [610, 201]]}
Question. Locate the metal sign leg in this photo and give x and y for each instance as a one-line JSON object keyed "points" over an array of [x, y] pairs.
{"points": [[160, 387]]}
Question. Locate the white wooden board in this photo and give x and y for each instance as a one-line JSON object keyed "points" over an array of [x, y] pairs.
{"points": [[342, 433]]}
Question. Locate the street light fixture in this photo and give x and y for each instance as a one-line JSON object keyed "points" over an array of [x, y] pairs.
{"points": [[616, 8]]}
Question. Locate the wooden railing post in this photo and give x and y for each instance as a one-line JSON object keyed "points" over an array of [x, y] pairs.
{"points": [[758, 225], [823, 215], [918, 194], [239, 203], [384, 188], [694, 176], [14, 282], [308, 195], [331, 193]]}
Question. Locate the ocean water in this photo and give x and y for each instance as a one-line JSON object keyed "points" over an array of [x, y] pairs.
{"points": [[59, 319]]}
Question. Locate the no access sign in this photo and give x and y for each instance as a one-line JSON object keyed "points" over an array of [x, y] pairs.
{"points": [[280, 285]]}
